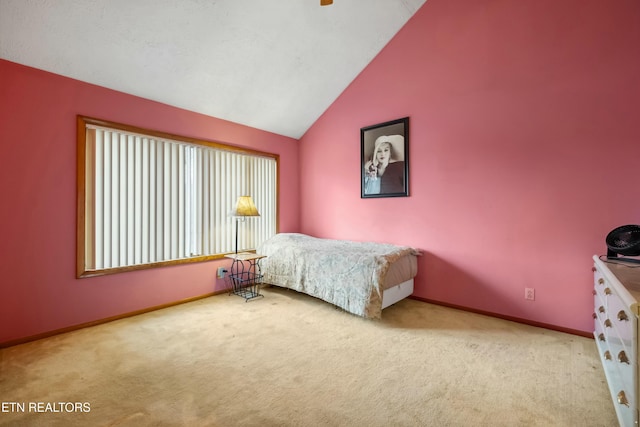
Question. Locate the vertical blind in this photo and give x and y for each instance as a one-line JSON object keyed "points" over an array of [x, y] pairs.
{"points": [[151, 199]]}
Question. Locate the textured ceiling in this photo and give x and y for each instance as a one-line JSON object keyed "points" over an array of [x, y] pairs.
{"points": [[275, 65]]}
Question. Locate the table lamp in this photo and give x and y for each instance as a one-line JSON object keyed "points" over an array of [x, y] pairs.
{"points": [[244, 208]]}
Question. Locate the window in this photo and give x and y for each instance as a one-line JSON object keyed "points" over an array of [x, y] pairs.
{"points": [[147, 198]]}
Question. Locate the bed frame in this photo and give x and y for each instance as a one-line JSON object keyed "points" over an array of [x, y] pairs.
{"points": [[396, 293]]}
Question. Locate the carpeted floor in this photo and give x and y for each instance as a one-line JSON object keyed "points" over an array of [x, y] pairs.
{"points": [[291, 360]]}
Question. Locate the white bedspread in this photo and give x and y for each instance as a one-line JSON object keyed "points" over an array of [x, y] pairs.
{"points": [[345, 273]]}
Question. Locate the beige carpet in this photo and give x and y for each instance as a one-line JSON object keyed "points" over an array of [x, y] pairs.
{"points": [[291, 360]]}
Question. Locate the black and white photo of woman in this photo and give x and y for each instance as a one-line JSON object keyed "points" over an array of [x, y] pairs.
{"points": [[384, 171]]}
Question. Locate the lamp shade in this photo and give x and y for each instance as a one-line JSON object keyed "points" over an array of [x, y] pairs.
{"points": [[245, 207]]}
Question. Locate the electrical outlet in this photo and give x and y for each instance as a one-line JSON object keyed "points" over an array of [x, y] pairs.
{"points": [[221, 271], [529, 293]]}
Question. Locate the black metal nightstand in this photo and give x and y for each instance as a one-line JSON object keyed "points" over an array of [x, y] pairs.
{"points": [[245, 275]]}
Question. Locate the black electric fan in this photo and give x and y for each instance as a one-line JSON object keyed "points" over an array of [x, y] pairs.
{"points": [[625, 241]]}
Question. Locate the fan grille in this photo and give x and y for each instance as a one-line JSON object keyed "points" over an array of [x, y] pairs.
{"points": [[625, 240]]}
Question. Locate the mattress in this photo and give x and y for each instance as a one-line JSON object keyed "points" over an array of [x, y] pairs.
{"points": [[401, 270]]}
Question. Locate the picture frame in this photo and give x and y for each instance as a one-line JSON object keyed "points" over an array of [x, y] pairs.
{"points": [[384, 159]]}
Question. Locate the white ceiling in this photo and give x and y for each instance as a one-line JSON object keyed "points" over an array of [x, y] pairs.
{"points": [[275, 65]]}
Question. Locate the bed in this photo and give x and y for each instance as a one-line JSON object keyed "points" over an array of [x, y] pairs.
{"points": [[360, 277]]}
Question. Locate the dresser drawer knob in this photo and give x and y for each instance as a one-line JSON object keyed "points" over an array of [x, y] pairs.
{"points": [[622, 398], [595, 316], [594, 269], [601, 309], [594, 292], [607, 355], [607, 323], [607, 291], [622, 316], [622, 357], [601, 337], [601, 281]]}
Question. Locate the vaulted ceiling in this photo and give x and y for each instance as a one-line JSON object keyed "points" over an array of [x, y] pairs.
{"points": [[275, 65]]}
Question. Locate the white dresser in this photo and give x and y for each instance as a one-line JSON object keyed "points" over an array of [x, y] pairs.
{"points": [[616, 311]]}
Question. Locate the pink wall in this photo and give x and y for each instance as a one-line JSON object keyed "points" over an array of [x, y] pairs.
{"points": [[39, 291], [524, 150]]}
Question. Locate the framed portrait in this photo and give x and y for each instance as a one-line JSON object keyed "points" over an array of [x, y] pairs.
{"points": [[384, 159]]}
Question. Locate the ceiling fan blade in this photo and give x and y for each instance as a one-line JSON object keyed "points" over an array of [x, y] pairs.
{"points": [[325, 2]]}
